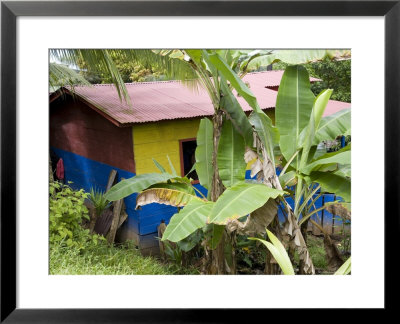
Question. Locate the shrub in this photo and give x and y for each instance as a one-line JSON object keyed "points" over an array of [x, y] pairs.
{"points": [[67, 211]]}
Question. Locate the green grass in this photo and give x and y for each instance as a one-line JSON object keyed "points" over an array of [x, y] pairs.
{"points": [[317, 251], [105, 260]]}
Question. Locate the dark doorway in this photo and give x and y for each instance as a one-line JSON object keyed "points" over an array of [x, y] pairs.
{"points": [[188, 148]]}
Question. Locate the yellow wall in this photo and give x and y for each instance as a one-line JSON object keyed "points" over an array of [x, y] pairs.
{"points": [[159, 139]]}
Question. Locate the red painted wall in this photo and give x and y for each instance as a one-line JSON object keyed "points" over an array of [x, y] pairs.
{"points": [[77, 128]]}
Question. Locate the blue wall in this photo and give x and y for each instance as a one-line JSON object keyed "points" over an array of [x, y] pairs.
{"points": [[86, 173]]}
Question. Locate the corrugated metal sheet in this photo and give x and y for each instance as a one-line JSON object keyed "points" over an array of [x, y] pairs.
{"points": [[268, 79], [166, 100]]}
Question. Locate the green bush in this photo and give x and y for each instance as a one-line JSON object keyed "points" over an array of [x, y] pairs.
{"points": [[67, 211]]}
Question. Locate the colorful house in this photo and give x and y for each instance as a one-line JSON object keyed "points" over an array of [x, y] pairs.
{"points": [[94, 132]]}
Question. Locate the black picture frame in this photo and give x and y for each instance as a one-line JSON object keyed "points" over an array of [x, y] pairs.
{"points": [[10, 10]]}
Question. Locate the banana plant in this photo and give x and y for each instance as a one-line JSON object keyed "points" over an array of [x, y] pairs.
{"points": [[222, 142], [299, 128]]}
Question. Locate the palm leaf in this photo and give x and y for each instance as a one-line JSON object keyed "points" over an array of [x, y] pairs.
{"points": [[60, 75]]}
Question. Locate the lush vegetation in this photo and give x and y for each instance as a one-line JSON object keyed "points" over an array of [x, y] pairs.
{"points": [[73, 250], [222, 144], [213, 229]]}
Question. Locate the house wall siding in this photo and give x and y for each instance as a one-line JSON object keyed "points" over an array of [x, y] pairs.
{"points": [[157, 140], [76, 128]]}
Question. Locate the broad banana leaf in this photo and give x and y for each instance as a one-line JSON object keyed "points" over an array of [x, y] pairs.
{"points": [[240, 200], [340, 158], [344, 171], [279, 253], [180, 186], [293, 108], [231, 147], [332, 126], [234, 80], [164, 196], [230, 104], [332, 183], [257, 59], [321, 154], [256, 222], [188, 220], [135, 184], [204, 152]]}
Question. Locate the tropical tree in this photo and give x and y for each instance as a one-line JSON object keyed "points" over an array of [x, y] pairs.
{"points": [[230, 135]]}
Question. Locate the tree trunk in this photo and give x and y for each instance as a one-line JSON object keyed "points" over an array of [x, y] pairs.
{"points": [[303, 229], [218, 264], [217, 188]]}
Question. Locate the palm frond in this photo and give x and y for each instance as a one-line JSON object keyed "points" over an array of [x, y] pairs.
{"points": [[97, 60], [100, 60], [60, 75]]}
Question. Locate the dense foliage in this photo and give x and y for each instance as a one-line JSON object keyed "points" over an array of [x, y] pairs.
{"points": [[67, 212], [335, 75], [130, 71]]}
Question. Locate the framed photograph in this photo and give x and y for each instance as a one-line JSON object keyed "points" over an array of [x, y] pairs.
{"points": [[369, 29]]}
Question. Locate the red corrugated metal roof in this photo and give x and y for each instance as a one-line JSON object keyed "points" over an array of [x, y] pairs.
{"points": [[166, 100], [269, 79]]}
